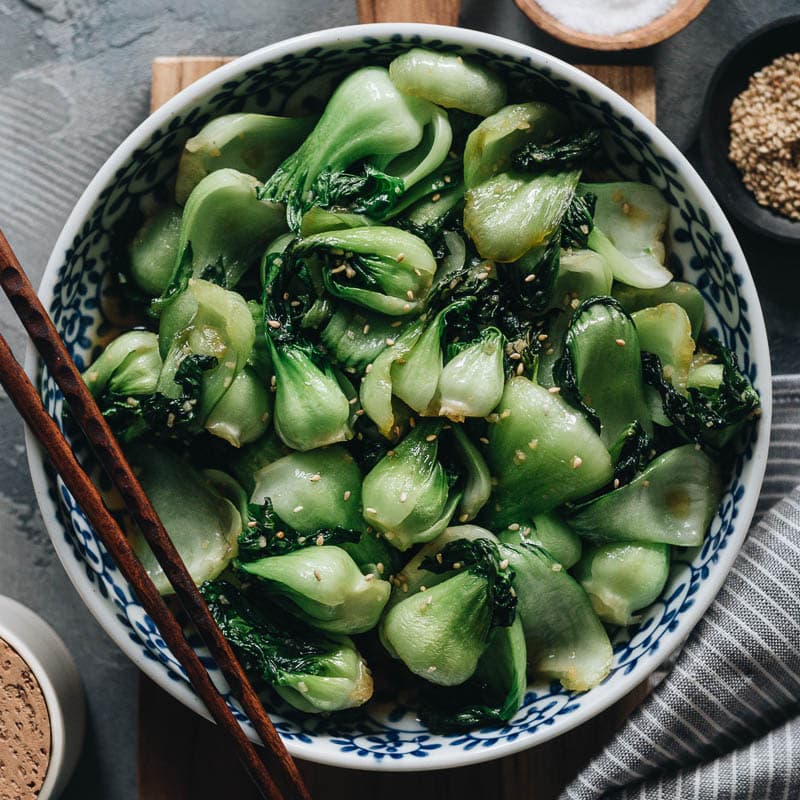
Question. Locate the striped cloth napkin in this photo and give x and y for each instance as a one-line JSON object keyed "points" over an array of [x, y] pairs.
{"points": [[725, 722]]}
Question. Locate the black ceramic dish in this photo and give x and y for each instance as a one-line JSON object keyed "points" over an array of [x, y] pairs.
{"points": [[729, 80]]}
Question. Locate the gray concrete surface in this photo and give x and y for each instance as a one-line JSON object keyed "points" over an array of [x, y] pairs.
{"points": [[74, 81]]}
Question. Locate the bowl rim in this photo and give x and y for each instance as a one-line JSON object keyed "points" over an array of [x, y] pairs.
{"points": [[591, 705]]}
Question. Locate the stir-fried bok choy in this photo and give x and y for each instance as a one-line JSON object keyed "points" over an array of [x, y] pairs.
{"points": [[411, 385]]}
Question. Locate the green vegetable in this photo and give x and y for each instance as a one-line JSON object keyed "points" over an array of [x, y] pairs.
{"points": [[715, 412], [251, 143], [491, 696], [312, 671], [551, 533], [355, 337], [578, 222], [407, 494], [684, 294], [320, 220], [202, 524], [564, 638], [448, 80], [573, 150], [377, 385], [313, 490], [672, 502], [385, 269], [208, 321], [581, 274], [225, 227], [490, 146], [365, 117], [510, 214], [243, 413], [415, 377], [542, 453], [600, 371], [630, 220], [471, 383], [129, 366], [622, 578], [666, 330], [154, 250], [440, 634], [250, 458], [478, 483], [413, 576], [323, 586]]}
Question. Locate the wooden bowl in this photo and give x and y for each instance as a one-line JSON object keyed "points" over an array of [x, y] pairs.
{"points": [[676, 19]]}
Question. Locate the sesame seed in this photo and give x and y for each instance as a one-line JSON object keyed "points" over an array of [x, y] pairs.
{"points": [[317, 575], [482, 276], [431, 668], [273, 323], [406, 307], [365, 329], [390, 342], [530, 278], [431, 437], [576, 462], [616, 483], [315, 478], [252, 524], [319, 541], [403, 497], [436, 197], [262, 541], [645, 483], [368, 369], [620, 342], [504, 563], [400, 257], [542, 337], [381, 569], [347, 495], [457, 565], [337, 270], [280, 535], [297, 509], [514, 356], [554, 389], [423, 588], [520, 369], [556, 567], [396, 324], [410, 294], [483, 440], [533, 444], [371, 510]]}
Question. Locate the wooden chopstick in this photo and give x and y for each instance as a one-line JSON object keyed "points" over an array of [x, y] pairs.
{"points": [[24, 396], [85, 412]]}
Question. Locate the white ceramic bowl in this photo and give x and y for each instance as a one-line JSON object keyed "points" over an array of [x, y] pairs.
{"points": [[49, 660], [282, 78]]}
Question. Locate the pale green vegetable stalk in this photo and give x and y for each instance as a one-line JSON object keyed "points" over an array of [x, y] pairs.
{"points": [[153, 250], [448, 80], [377, 386], [130, 365], [313, 490], [623, 578], [324, 587], [311, 410], [471, 383], [440, 634], [243, 413], [672, 502], [630, 221], [581, 274], [251, 143], [406, 495], [478, 482], [542, 452], [202, 524], [366, 116], [225, 227], [551, 533], [601, 368], [666, 330], [564, 638], [510, 213], [490, 146], [684, 294]]}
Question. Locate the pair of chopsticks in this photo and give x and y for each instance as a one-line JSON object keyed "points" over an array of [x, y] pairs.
{"points": [[287, 782]]}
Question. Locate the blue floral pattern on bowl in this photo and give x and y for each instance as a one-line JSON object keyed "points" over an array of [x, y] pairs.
{"points": [[389, 735]]}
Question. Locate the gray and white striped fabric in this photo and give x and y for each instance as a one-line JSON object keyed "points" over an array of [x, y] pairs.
{"points": [[725, 722]]}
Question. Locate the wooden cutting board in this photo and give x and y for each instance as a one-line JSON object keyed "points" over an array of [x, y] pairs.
{"points": [[183, 757]]}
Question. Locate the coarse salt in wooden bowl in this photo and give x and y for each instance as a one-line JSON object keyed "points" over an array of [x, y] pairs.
{"points": [[668, 24]]}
